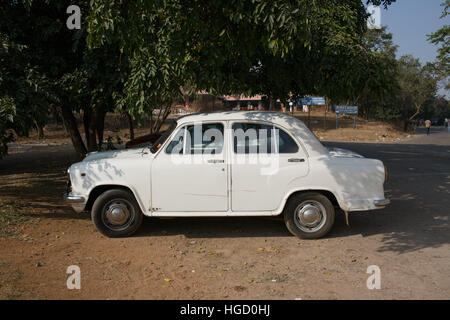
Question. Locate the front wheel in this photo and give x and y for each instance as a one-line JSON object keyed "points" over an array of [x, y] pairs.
{"points": [[309, 215], [116, 213]]}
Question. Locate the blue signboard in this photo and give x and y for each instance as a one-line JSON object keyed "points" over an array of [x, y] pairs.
{"points": [[346, 109], [312, 101]]}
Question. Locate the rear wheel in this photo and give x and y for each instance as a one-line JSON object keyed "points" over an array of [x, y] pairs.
{"points": [[309, 215], [116, 213]]}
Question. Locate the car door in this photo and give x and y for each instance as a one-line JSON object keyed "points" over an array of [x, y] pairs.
{"points": [[190, 174], [265, 160]]}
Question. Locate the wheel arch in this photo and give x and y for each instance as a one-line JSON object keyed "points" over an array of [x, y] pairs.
{"points": [[100, 189], [327, 193]]}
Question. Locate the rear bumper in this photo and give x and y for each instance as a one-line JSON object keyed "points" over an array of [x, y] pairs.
{"points": [[381, 203], [77, 202], [351, 205]]}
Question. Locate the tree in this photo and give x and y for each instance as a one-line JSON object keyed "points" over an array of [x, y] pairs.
{"points": [[21, 85], [45, 65], [404, 88], [7, 113], [274, 48], [378, 98], [438, 107], [417, 85], [142, 53], [442, 38]]}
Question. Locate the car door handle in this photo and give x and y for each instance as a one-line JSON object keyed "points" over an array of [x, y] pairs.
{"points": [[216, 161], [296, 160]]}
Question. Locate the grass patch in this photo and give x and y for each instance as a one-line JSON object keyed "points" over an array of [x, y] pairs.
{"points": [[12, 218], [8, 282]]}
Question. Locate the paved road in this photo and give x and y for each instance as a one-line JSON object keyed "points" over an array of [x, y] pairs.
{"points": [[419, 187], [416, 225]]}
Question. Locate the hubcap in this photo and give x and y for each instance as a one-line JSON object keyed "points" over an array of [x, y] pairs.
{"points": [[117, 214], [310, 216]]}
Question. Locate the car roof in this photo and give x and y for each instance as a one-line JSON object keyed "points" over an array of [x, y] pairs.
{"points": [[270, 116]]}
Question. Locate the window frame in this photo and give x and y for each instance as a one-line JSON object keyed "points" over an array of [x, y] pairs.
{"points": [[184, 127], [267, 123]]}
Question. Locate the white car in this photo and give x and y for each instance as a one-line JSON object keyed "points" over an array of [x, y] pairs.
{"points": [[237, 163]]}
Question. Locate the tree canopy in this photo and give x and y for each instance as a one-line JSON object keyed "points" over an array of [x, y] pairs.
{"points": [[274, 48], [44, 65], [442, 38], [134, 56]]}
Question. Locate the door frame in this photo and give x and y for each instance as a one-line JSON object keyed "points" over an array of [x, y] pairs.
{"points": [[162, 150]]}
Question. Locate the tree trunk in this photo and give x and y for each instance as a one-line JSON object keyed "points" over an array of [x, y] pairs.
{"points": [[130, 124], [92, 139], [271, 103], [40, 130], [70, 124], [55, 113], [100, 126], [418, 110], [164, 117], [86, 122], [151, 121], [157, 120], [406, 125]]}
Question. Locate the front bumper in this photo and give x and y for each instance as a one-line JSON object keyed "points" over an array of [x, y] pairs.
{"points": [[77, 202], [381, 203]]}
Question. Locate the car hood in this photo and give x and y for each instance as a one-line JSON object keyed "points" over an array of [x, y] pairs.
{"points": [[343, 153], [114, 154]]}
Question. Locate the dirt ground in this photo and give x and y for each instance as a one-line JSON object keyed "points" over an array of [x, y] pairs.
{"points": [[226, 258]]}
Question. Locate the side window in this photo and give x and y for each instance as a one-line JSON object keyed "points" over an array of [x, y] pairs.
{"points": [[177, 144], [252, 138], [249, 138], [285, 143], [198, 139]]}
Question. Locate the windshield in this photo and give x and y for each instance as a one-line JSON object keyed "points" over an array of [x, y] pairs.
{"points": [[165, 134]]}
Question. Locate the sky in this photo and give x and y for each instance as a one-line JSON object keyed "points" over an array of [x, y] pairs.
{"points": [[410, 21]]}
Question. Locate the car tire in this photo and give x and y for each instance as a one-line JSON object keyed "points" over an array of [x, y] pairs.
{"points": [[116, 213], [309, 215]]}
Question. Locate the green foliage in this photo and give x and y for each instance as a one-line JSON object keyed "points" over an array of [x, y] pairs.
{"points": [[436, 108], [44, 65], [405, 86], [7, 114], [442, 38], [274, 48], [416, 82]]}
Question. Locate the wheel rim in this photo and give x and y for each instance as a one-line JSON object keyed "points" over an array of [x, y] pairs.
{"points": [[118, 214], [310, 216]]}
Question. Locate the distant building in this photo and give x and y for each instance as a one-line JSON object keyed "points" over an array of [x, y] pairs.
{"points": [[241, 102]]}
